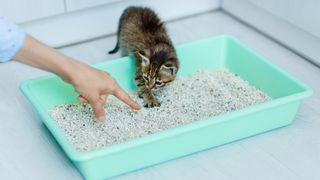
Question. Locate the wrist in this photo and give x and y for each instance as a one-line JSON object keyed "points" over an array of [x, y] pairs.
{"points": [[67, 69], [73, 71]]}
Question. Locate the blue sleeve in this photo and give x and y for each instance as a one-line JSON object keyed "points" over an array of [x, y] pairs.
{"points": [[11, 39]]}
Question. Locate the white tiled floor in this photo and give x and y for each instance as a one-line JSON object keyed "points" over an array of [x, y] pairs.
{"points": [[28, 151]]}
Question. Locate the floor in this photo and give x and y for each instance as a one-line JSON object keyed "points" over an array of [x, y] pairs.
{"points": [[28, 151]]}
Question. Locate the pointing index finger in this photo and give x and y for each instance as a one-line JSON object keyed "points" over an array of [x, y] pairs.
{"points": [[124, 97]]}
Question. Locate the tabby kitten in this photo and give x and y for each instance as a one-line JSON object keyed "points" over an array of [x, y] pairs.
{"points": [[141, 32]]}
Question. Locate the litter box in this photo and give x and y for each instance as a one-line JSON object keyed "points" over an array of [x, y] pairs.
{"points": [[213, 53]]}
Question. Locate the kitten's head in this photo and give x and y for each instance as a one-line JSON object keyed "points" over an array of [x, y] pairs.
{"points": [[158, 67]]}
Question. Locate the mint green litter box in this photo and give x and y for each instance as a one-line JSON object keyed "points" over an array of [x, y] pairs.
{"points": [[208, 54]]}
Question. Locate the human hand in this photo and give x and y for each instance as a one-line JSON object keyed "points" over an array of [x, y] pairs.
{"points": [[94, 86]]}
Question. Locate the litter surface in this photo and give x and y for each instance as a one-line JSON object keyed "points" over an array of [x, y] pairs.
{"points": [[187, 99]]}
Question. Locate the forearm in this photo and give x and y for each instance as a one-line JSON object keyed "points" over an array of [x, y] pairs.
{"points": [[39, 55]]}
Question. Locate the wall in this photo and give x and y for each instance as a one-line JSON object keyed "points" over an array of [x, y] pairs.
{"points": [[293, 23], [26, 10], [303, 14], [63, 22]]}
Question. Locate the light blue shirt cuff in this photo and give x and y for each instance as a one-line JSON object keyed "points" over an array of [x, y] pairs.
{"points": [[11, 39]]}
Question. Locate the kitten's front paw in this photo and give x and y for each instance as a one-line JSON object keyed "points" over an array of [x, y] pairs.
{"points": [[151, 103]]}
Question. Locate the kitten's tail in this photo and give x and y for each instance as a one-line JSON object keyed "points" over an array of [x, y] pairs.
{"points": [[115, 49], [122, 17]]}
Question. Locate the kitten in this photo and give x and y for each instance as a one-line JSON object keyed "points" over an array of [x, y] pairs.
{"points": [[141, 32]]}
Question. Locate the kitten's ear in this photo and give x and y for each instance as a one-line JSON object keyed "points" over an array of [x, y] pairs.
{"points": [[168, 70], [144, 59]]}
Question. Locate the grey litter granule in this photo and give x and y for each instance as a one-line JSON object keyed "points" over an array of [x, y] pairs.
{"points": [[187, 99]]}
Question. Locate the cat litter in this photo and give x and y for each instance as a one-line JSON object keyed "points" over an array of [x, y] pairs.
{"points": [[187, 99]]}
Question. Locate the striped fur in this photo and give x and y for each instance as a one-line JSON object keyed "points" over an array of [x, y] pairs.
{"points": [[142, 33]]}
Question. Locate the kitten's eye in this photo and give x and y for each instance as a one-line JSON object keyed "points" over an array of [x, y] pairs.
{"points": [[145, 77], [159, 83]]}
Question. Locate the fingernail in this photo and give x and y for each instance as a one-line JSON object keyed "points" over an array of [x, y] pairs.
{"points": [[137, 106]]}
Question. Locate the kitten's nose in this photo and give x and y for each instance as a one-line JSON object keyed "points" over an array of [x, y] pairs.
{"points": [[150, 86]]}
